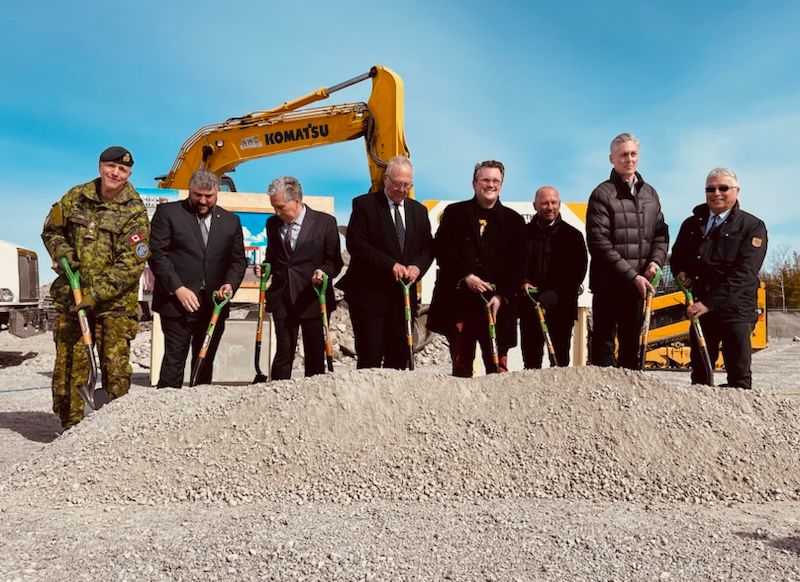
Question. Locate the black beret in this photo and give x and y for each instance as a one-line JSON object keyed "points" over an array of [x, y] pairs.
{"points": [[117, 154]]}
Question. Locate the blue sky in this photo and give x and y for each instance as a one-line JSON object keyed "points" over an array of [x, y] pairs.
{"points": [[542, 86]]}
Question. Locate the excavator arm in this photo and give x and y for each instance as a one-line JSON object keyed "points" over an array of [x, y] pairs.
{"points": [[287, 128]]}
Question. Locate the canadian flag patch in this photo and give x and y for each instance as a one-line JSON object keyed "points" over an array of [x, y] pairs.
{"points": [[134, 238]]}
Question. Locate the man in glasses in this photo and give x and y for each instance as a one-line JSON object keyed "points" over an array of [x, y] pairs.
{"points": [[389, 241], [628, 241], [480, 251], [718, 253], [303, 246]]}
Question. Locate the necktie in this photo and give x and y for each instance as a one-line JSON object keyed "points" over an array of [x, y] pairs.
{"points": [[399, 227], [714, 223], [203, 229], [287, 238]]}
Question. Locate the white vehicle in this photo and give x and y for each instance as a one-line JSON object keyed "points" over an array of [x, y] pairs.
{"points": [[19, 290]]}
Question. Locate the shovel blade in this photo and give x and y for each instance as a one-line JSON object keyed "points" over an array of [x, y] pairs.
{"points": [[88, 391]]}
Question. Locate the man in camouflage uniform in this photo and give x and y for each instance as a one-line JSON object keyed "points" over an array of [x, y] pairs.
{"points": [[101, 228]]}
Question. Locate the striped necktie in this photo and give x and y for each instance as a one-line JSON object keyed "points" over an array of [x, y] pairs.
{"points": [[287, 238]]}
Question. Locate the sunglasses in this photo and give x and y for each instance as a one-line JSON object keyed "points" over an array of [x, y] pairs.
{"points": [[724, 188]]}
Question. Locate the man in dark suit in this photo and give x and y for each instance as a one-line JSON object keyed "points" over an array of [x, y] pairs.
{"points": [[556, 267], [480, 252], [303, 245], [389, 240], [197, 250]]}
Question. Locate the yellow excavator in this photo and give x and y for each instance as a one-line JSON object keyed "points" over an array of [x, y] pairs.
{"points": [[291, 127], [221, 147]]}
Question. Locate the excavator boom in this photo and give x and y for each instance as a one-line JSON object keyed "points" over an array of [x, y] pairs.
{"points": [[287, 128]]}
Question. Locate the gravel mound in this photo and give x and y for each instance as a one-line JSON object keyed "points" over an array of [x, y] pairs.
{"points": [[582, 433]]}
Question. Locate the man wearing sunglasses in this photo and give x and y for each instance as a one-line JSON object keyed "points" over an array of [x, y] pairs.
{"points": [[628, 241], [718, 253]]}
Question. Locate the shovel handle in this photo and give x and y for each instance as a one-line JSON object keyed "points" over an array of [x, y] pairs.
{"points": [[219, 303], [408, 321], [266, 271], [322, 289]]}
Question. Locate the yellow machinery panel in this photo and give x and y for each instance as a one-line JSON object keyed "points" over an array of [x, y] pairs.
{"points": [[669, 331]]}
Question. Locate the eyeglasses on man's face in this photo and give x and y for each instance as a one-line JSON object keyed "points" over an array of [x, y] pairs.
{"points": [[398, 185], [492, 181], [723, 188]]}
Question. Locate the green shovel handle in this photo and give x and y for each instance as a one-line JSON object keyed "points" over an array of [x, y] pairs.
{"points": [[266, 271], [321, 289], [686, 291], [219, 304], [656, 279], [74, 277]]}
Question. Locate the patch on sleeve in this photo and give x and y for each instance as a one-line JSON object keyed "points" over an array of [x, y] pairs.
{"points": [[757, 242], [141, 250], [56, 215], [135, 238]]}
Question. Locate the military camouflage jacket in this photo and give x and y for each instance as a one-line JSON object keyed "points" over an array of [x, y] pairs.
{"points": [[108, 240]]}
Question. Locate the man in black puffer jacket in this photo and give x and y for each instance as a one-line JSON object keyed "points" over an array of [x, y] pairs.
{"points": [[718, 252], [628, 241]]}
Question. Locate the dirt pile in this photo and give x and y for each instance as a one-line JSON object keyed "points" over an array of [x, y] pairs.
{"points": [[517, 477], [578, 434]]}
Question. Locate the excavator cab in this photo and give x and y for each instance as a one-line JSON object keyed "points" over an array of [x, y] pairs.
{"points": [[226, 184]]}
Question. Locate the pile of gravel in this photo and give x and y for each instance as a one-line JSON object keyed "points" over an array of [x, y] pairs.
{"points": [[377, 435]]}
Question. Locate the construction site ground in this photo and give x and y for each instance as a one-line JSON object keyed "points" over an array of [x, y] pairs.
{"points": [[559, 474]]}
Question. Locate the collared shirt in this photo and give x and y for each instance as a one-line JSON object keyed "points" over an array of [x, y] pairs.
{"points": [[722, 217], [632, 184], [206, 219], [298, 224], [401, 208]]}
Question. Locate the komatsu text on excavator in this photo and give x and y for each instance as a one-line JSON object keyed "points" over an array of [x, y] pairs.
{"points": [[290, 127], [287, 128]]}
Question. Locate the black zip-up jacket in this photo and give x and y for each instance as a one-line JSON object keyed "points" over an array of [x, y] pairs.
{"points": [[724, 265], [556, 265], [624, 233]]}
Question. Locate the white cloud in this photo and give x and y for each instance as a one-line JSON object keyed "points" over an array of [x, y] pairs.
{"points": [[251, 239]]}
